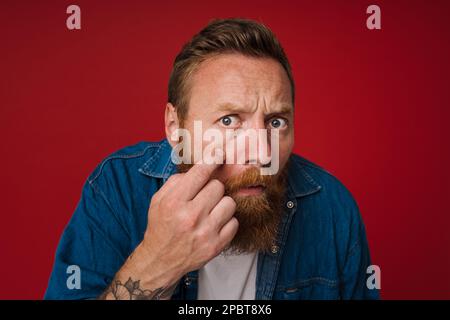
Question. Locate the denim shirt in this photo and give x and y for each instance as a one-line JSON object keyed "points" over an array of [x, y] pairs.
{"points": [[321, 251]]}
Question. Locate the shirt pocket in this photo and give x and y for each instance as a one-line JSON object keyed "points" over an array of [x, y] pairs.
{"points": [[317, 288]]}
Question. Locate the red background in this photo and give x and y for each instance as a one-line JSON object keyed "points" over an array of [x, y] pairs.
{"points": [[373, 108]]}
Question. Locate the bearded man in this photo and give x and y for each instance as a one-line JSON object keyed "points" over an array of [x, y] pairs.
{"points": [[147, 227]]}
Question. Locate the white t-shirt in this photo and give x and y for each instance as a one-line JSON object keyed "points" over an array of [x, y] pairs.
{"points": [[228, 277]]}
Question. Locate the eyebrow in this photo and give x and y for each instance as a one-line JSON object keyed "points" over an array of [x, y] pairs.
{"points": [[231, 107]]}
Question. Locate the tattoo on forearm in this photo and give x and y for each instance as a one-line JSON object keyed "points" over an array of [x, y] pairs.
{"points": [[131, 290]]}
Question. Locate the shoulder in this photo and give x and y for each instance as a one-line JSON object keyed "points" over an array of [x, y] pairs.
{"points": [[325, 181], [117, 194], [330, 212], [125, 161], [331, 198]]}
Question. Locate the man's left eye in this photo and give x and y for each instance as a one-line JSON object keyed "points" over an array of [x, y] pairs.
{"points": [[278, 123]]}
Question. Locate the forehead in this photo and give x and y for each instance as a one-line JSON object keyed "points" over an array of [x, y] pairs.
{"points": [[237, 79]]}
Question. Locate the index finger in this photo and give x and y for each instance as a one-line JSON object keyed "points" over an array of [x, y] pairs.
{"points": [[196, 178]]}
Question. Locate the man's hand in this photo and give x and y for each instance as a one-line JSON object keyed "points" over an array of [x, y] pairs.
{"points": [[190, 222]]}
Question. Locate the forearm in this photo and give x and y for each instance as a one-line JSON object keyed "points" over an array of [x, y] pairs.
{"points": [[141, 278]]}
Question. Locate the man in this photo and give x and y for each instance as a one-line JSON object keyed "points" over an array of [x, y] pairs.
{"points": [[151, 227]]}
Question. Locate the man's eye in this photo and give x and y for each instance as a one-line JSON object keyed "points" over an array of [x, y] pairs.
{"points": [[278, 123], [229, 121]]}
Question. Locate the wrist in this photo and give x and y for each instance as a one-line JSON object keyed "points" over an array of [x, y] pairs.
{"points": [[153, 270]]}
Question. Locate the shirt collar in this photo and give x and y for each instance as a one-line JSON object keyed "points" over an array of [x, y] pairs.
{"points": [[300, 181], [160, 165]]}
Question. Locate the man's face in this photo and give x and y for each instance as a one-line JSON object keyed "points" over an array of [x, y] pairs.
{"points": [[232, 92]]}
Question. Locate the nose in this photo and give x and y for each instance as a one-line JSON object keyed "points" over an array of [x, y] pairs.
{"points": [[257, 146]]}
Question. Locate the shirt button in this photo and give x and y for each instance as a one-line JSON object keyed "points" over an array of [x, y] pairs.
{"points": [[290, 204], [187, 281], [275, 249]]}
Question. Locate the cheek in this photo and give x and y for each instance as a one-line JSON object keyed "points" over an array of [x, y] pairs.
{"points": [[286, 145]]}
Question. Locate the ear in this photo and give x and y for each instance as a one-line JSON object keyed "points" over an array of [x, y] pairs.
{"points": [[171, 123]]}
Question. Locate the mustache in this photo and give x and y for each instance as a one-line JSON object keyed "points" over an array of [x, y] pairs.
{"points": [[251, 177]]}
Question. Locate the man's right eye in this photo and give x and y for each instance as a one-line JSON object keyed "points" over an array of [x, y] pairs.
{"points": [[229, 121]]}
